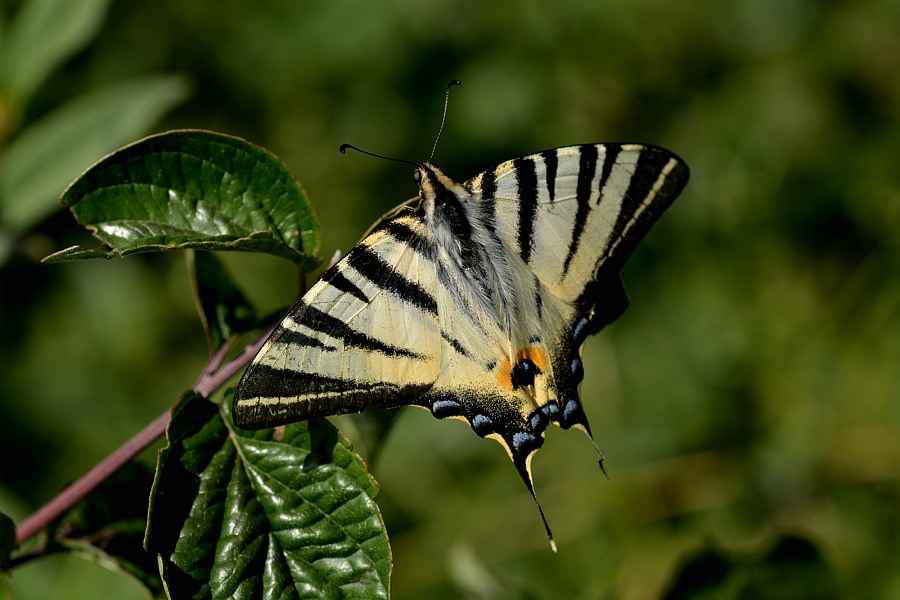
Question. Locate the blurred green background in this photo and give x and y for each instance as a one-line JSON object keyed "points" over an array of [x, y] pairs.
{"points": [[752, 390]]}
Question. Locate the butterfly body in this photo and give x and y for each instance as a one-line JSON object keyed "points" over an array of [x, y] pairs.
{"points": [[476, 303]]}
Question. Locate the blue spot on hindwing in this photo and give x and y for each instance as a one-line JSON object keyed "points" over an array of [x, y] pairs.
{"points": [[538, 421], [445, 408], [577, 369], [579, 334], [522, 438], [551, 409], [570, 410], [482, 425]]}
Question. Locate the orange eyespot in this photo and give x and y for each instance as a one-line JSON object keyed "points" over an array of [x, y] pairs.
{"points": [[535, 354], [530, 362]]}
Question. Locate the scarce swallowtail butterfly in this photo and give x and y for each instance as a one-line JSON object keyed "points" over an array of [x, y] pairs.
{"points": [[475, 303]]}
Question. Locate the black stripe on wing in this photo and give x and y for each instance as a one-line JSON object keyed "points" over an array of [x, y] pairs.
{"points": [[651, 162], [401, 230], [587, 168], [316, 396], [340, 281], [296, 338], [486, 190], [487, 208], [609, 160], [526, 177], [551, 164], [455, 344], [371, 266], [316, 320], [488, 184]]}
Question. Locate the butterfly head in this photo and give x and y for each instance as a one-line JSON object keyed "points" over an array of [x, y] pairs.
{"points": [[438, 192], [428, 177]]}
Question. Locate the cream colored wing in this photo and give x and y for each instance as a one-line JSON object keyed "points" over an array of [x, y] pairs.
{"points": [[366, 333], [577, 212]]}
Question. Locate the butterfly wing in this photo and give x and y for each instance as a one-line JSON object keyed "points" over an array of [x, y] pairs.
{"points": [[574, 215], [567, 219], [577, 212], [366, 332]]}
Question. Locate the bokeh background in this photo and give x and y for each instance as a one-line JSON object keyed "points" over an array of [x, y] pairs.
{"points": [[752, 390]]}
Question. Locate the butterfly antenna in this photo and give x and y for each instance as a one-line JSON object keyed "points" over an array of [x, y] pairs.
{"points": [[453, 83], [345, 147]]}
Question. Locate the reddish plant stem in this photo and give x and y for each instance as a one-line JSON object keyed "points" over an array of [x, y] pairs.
{"points": [[78, 490], [214, 377], [211, 379]]}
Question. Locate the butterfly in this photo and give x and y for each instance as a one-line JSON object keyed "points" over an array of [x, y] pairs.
{"points": [[475, 303]]}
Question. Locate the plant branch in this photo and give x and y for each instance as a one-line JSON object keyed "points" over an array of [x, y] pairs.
{"points": [[78, 490], [213, 377]]}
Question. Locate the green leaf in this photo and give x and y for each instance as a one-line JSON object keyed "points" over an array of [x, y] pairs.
{"points": [[43, 35], [73, 253], [195, 189], [108, 526], [7, 540], [44, 158], [267, 514], [224, 310]]}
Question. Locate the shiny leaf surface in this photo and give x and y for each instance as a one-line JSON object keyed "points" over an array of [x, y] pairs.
{"points": [[194, 189], [267, 514]]}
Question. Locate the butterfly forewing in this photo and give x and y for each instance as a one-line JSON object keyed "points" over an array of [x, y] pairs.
{"points": [[571, 211], [366, 332]]}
